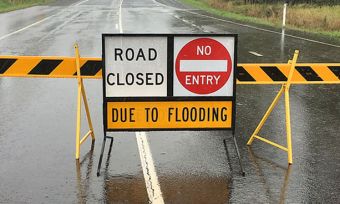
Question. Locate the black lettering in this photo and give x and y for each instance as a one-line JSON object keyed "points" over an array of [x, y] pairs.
{"points": [[154, 114], [132, 110], [140, 80], [201, 114], [170, 114], [215, 114], [152, 54], [159, 78], [132, 78], [118, 81], [193, 114], [148, 78], [123, 115], [177, 119], [185, 114], [114, 115], [132, 54], [108, 79], [208, 114], [118, 53], [140, 54], [224, 115], [147, 114]]}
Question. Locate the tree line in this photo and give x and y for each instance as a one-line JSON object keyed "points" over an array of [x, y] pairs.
{"points": [[291, 2]]}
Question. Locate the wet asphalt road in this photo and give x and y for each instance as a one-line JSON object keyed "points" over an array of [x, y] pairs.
{"points": [[37, 129]]}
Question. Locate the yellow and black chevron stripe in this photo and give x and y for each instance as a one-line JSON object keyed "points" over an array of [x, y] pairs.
{"points": [[65, 67], [316, 73], [54, 67]]}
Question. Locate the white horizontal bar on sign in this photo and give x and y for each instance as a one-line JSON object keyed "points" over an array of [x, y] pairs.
{"points": [[203, 65]]}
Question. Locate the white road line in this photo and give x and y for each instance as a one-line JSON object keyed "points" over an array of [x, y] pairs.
{"points": [[249, 26], [24, 28], [256, 54], [192, 24], [152, 185], [150, 176], [38, 22], [120, 17], [78, 3]]}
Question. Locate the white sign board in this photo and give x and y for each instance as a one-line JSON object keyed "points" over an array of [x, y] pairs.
{"points": [[135, 66]]}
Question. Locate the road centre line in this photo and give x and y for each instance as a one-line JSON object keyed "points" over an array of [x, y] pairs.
{"points": [[149, 171], [255, 53], [248, 26], [38, 22], [120, 17], [192, 24]]}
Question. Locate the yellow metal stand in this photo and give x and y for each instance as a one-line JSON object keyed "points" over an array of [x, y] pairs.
{"points": [[81, 94], [285, 88]]}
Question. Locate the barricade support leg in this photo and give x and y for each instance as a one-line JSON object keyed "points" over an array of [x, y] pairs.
{"points": [[81, 94], [288, 128], [284, 89]]}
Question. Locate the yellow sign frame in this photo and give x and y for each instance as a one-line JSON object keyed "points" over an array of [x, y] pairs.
{"points": [[284, 88]]}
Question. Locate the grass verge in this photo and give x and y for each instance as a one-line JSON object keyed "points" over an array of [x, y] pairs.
{"points": [[11, 5], [323, 21]]}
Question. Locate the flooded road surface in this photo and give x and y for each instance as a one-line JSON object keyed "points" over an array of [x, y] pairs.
{"points": [[37, 129]]}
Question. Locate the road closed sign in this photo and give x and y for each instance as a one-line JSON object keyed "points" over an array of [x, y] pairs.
{"points": [[135, 66], [168, 82]]}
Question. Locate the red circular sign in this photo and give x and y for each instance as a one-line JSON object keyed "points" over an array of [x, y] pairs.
{"points": [[203, 66]]}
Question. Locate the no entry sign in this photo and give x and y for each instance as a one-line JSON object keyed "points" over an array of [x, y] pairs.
{"points": [[203, 66], [168, 82]]}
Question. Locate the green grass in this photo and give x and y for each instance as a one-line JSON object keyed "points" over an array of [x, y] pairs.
{"points": [[6, 5], [271, 15]]}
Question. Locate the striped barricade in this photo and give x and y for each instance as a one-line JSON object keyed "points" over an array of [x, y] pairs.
{"points": [[269, 73], [91, 68]]}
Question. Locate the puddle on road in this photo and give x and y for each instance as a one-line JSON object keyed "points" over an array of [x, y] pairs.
{"points": [[194, 189]]}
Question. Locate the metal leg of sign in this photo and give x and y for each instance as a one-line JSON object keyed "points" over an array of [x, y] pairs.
{"points": [[102, 152], [81, 94], [238, 155], [284, 89], [101, 155], [237, 152], [111, 143]]}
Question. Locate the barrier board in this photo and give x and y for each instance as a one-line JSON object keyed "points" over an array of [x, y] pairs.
{"points": [[168, 82], [91, 68], [304, 73]]}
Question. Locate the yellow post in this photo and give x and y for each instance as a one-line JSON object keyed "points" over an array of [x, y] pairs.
{"points": [[81, 93], [287, 107], [78, 103], [288, 128]]}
